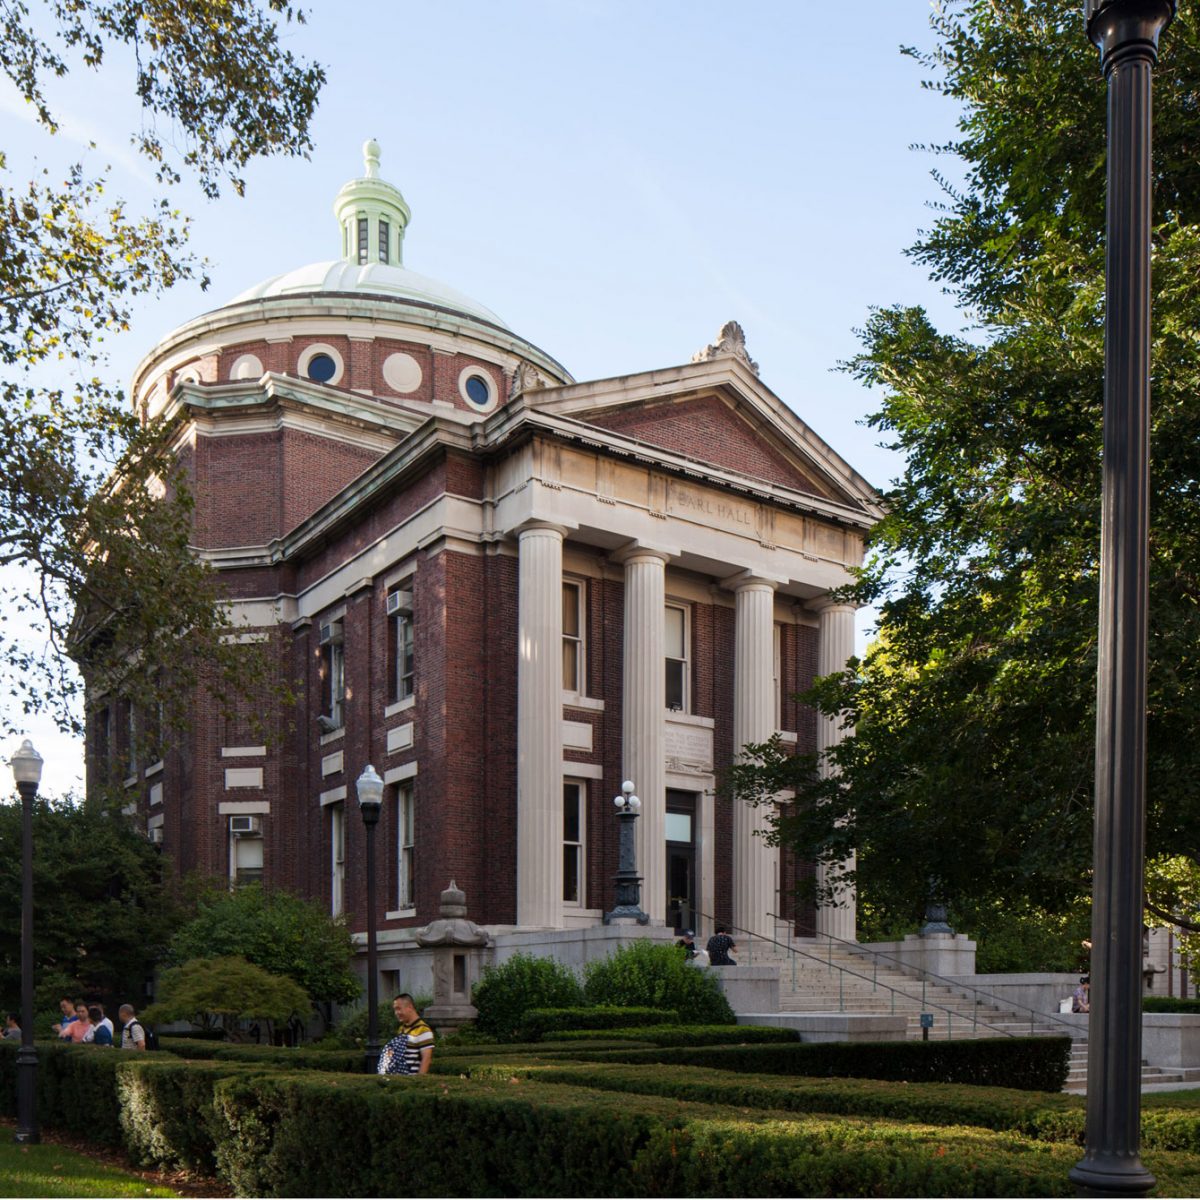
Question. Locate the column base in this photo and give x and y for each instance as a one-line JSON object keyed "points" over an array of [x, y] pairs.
{"points": [[1111, 1175]]}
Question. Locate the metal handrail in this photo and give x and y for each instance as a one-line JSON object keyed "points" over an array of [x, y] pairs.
{"points": [[844, 971], [931, 976]]}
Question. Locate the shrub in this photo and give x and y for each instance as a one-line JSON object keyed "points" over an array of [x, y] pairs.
{"points": [[507, 992], [657, 976], [1169, 1004], [301, 1058], [1032, 1064], [681, 1035], [541, 1022]]}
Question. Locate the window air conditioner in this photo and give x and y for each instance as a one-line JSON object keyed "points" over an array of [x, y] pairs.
{"points": [[331, 634], [399, 601], [245, 826], [156, 835]]}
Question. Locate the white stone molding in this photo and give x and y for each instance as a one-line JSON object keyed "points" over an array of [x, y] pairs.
{"points": [[311, 351], [835, 645], [402, 373], [539, 726], [643, 733], [755, 864]]}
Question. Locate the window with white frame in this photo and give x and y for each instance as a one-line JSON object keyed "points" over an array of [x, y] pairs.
{"points": [[406, 825], [574, 827], [401, 643], [384, 239], [245, 859], [363, 243], [675, 653], [777, 675], [572, 636], [337, 842], [333, 673]]}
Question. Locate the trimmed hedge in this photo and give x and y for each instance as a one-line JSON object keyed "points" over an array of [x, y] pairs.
{"points": [[285, 1057], [287, 1135], [1031, 1064], [683, 1035], [1170, 1004], [539, 1022]]}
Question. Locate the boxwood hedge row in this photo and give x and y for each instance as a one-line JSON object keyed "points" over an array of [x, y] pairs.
{"points": [[682, 1035], [541, 1022], [1034, 1064]]}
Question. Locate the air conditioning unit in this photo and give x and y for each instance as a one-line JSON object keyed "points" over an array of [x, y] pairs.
{"points": [[399, 601], [245, 826], [331, 634], [156, 835]]}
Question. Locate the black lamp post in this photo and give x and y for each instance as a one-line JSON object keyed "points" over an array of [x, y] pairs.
{"points": [[1126, 33], [27, 771], [370, 800], [629, 882]]}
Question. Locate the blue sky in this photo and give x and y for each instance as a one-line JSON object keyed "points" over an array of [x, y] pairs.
{"points": [[615, 178]]}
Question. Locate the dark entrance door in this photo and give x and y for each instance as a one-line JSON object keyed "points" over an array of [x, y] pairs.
{"points": [[681, 860]]}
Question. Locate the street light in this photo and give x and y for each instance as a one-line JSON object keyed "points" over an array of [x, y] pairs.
{"points": [[27, 771], [1126, 32], [370, 800], [629, 882]]}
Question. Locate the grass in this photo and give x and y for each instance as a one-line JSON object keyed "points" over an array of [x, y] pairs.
{"points": [[48, 1170]]}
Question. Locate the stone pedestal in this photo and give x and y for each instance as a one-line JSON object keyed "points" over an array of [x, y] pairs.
{"points": [[458, 949]]}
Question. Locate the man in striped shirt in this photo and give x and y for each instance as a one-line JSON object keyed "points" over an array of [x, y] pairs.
{"points": [[411, 1051]]}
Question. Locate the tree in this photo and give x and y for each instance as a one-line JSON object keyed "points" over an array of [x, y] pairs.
{"points": [[92, 521], [278, 931], [227, 992], [972, 768], [103, 914]]}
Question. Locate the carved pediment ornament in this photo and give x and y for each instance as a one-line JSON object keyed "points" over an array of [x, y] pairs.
{"points": [[731, 342]]}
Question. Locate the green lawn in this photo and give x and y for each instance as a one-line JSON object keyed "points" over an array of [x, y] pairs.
{"points": [[47, 1170]]}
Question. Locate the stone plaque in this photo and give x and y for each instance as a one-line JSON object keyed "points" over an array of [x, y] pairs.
{"points": [[688, 747]]}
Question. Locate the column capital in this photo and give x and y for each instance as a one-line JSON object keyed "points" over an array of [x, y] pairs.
{"points": [[632, 551], [826, 606], [754, 579], [533, 525]]}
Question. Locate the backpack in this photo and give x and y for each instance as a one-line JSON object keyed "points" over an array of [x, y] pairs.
{"points": [[150, 1036]]}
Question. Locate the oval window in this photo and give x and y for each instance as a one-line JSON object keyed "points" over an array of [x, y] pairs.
{"points": [[478, 391]]}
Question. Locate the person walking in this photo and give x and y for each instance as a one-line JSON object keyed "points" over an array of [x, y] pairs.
{"points": [[12, 1028], [101, 1031], [411, 1051], [133, 1032]]}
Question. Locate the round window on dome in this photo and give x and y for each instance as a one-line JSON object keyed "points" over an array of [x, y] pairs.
{"points": [[321, 368], [321, 363], [477, 389]]}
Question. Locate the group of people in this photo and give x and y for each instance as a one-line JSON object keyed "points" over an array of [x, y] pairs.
{"points": [[715, 953], [86, 1024]]}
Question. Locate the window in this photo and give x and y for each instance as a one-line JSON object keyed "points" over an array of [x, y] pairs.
{"points": [[131, 754], [384, 237], [406, 823], [777, 676], [337, 839], [362, 241], [401, 643], [321, 368], [574, 824], [572, 627], [675, 644], [333, 674], [246, 860], [102, 744]]}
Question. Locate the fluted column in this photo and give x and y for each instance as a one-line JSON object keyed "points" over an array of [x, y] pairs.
{"points": [[835, 645], [539, 726], [755, 864], [643, 728]]}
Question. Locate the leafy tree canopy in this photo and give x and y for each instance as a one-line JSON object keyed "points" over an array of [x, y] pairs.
{"points": [[278, 931], [226, 991], [972, 769], [103, 915], [216, 89]]}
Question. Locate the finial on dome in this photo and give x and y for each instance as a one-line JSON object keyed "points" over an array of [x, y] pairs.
{"points": [[371, 151]]}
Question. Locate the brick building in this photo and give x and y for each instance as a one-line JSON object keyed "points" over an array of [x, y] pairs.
{"points": [[506, 589]]}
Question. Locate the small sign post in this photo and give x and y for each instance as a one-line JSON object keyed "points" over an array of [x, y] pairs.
{"points": [[926, 1025]]}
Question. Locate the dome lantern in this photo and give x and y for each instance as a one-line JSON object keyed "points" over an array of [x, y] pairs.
{"points": [[372, 215]]}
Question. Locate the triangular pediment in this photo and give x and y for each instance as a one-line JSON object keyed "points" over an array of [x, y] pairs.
{"points": [[718, 413]]}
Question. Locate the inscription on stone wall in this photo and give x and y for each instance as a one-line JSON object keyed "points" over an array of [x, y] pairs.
{"points": [[688, 747], [685, 501]]}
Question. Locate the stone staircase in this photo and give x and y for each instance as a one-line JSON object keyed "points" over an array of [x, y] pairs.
{"points": [[1077, 1071], [821, 979]]}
